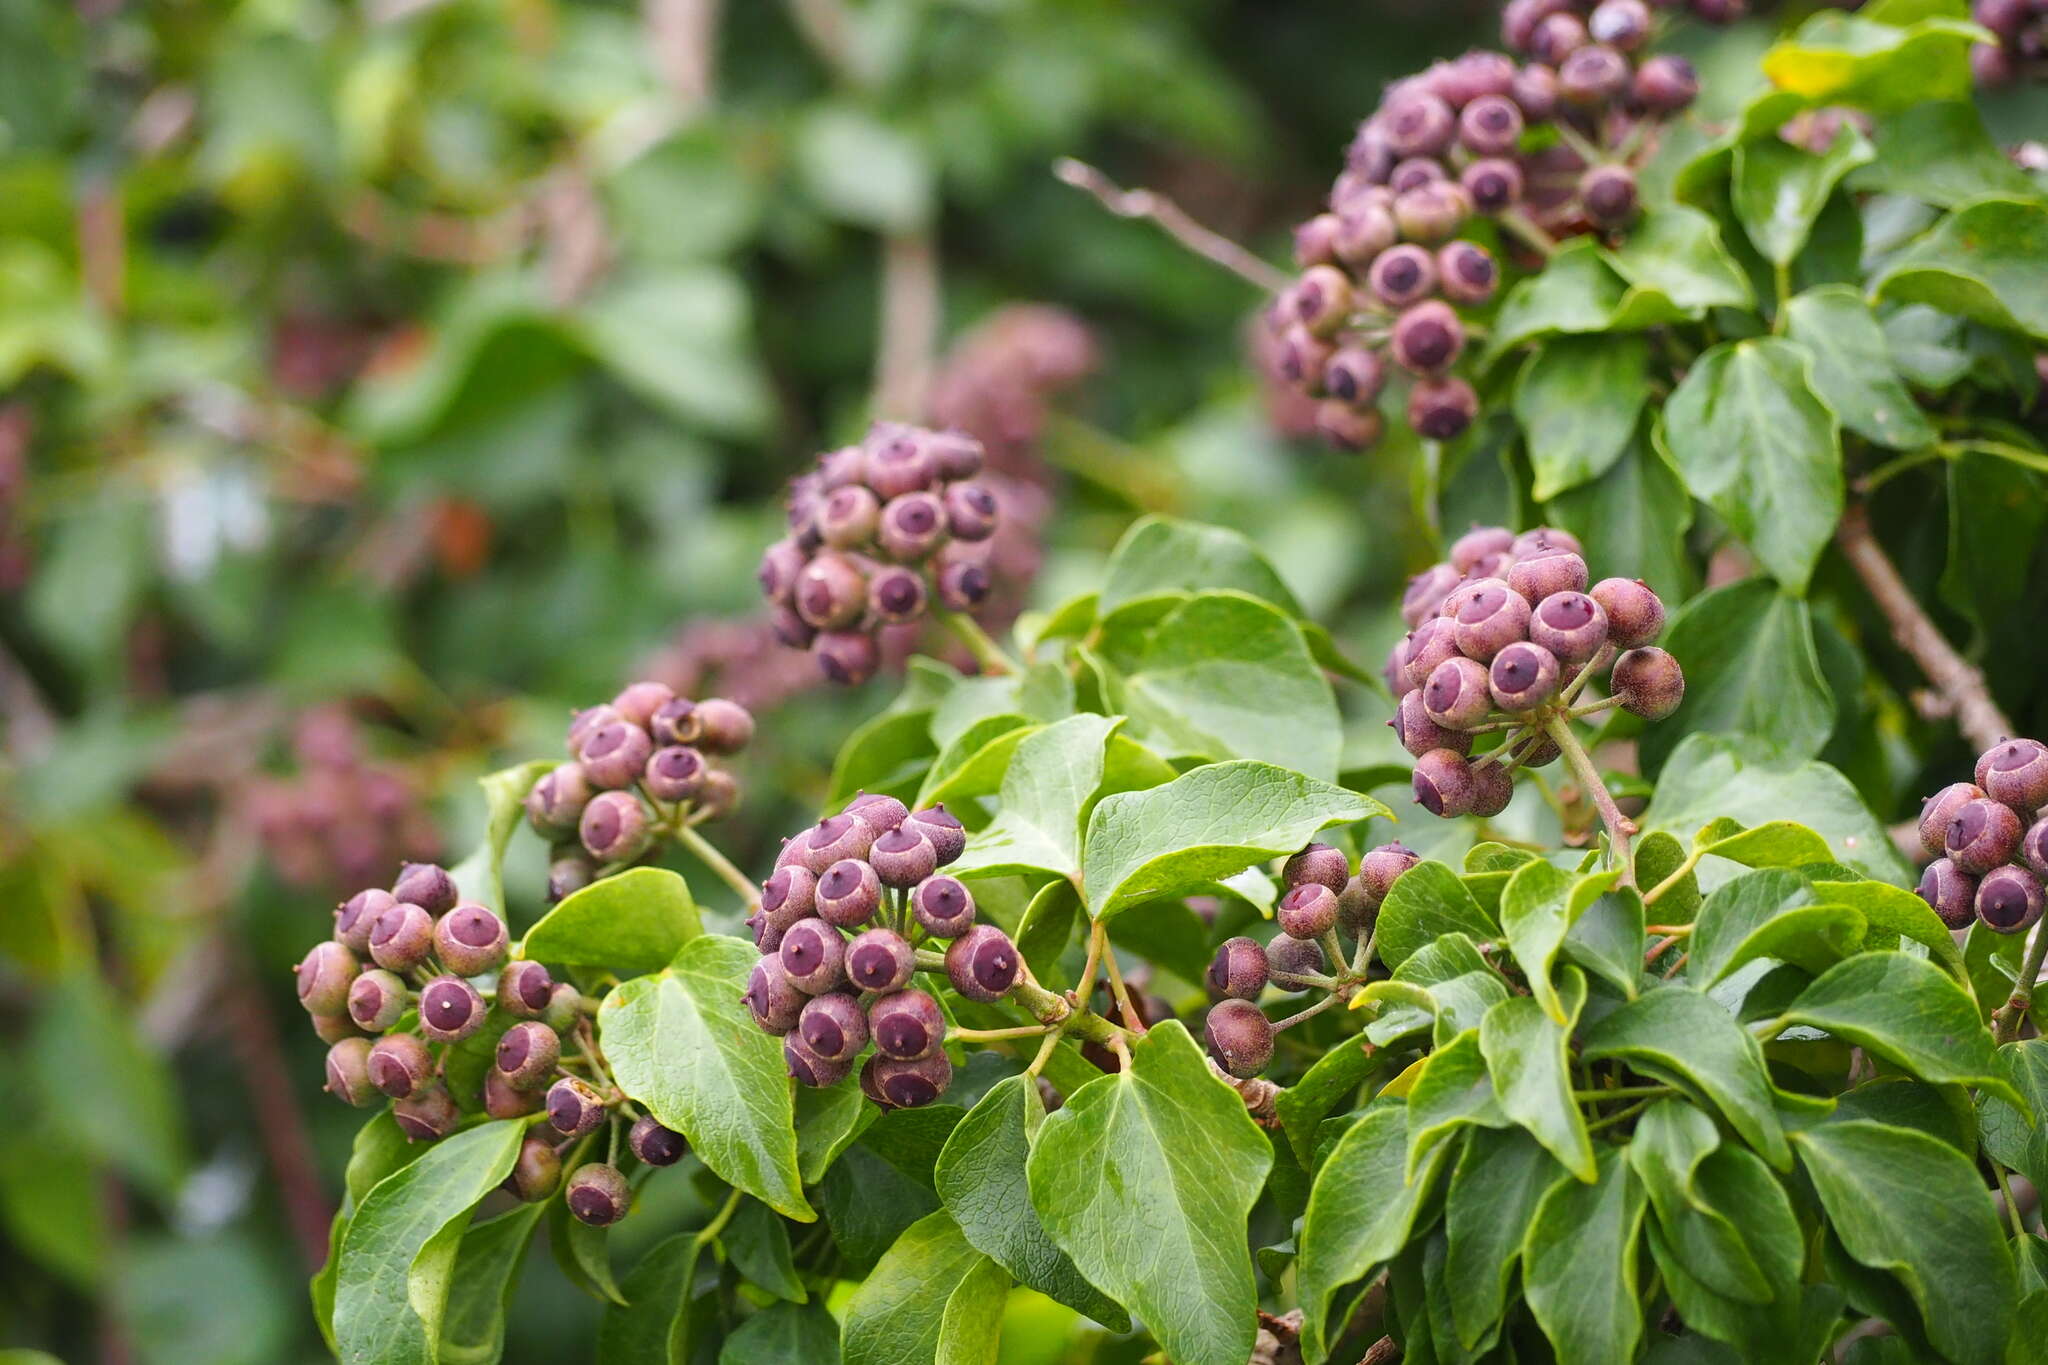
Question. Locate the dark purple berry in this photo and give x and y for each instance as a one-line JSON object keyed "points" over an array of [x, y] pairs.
{"points": [[503, 1100], [849, 893], [896, 594], [1429, 645], [1621, 24], [597, 1194], [963, 584], [780, 565], [1420, 733], [1493, 787], [771, 998], [1428, 338], [878, 811], [1355, 375], [833, 1027], [936, 823], [1425, 593], [1495, 185], [1951, 891], [1307, 911], [1240, 1037], [1666, 84], [357, 915], [983, 964], [527, 1053], [813, 955], [614, 756], [574, 1107], [348, 1072], [1570, 625], [1982, 835], [1535, 93], [848, 517], [1238, 971], [654, 1144], [399, 1064], [470, 940], [1546, 571], [1608, 194], [2034, 848], [1635, 615], [1365, 230], [615, 827], [1432, 213], [903, 857], [2016, 773], [1381, 867], [1466, 273], [1443, 783], [427, 1115], [723, 726], [1649, 682], [906, 1025], [1441, 409], [2009, 900], [847, 657], [834, 839], [524, 989], [1556, 37], [426, 885], [1403, 275], [1413, 174], [1317, 863], [1545, 538], [911, 1084], [1523, 677], [402, 937], [1939, 810], [944, 906], [1315, 241], [1290, 960], [880, 961], [1322, 299], [450, 1009], [788, 896]]}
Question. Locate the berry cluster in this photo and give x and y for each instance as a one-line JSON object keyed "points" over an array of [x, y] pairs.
{"points": [[1545, 147], [2021, 27], [877, 531], [1325, 905], [1506, 635], [839, 927], [641, 764], [1990, 841], [342, 816]]}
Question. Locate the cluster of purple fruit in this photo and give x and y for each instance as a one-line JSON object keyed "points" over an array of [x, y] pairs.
{"points": [[1989, 839], [1505, 636], [877, 532], [639, 763], [839, 929], [1324, 898], [1545, 147], [2021, 28]]}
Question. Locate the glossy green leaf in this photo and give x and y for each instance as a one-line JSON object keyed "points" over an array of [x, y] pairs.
{"points": [[111, 1093], [1838, 58], [1771, 912], [864, 171], [1452, 1091], [1579, 1263], [633, 923], [1852, 367], [1576, 291], [1165, 555], [1981, 262], [1780, 189], [1911, 1206], [481, 874], [1754, 442], [1888, 909], [1327, 1084], [1606, 935], [784, 1334], [1535, 914], [827, 1121], [486, 1268], [1633, 519], [1052, 777], [932, 1297], [1984, 578], [758, 1245], [1529, 1056], [1577, 403], [1145, 1179], [886, 754], [653, 1325], [1671, 1140], [1906, 1010], [1673, 254], [682, 1045], [1427, 902], [582, 1253], [680, 338], [1941, 154], [1203, 826], [1500, 1179], [2010, 1138], [1684, 1038]]}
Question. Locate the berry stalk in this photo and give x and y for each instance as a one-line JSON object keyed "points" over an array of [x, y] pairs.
{"points": [[992, 657], [1619, 826], [2005, 1021], [1173, 221], [708, 854]]}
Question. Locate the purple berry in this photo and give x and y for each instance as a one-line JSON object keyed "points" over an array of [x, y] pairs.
{"points": [[849, 516], [556, 801], [376, 999], [849, 893], [1982, 835], [831, 592], [771, 998], [574, 1108], [903, 857], [983, 964], [1635, 615], [2009, 900], [880, 960], [1443, 783], [1307, 911], [1939, 810], [813, 955], [1570, 625], [427, 1115], [524, 989], [615, 827], [1402, 275], [655, 1144], [833, 1027], [1466, 272], [912, 1084], [936, 823], [450, 1009], [1238, 971], [1951, 891], [1489, 620], [906, 1025], [1490, 125], [1428, 338], [470, 940], [1456, 697], [356, 916], [426, 885], [674, 774], [597, 1194], [1239, 1037], [527, 1053], [348, 1072], [1649, 682], [325, 975], [1420, 733], [1441, 409], [1546, 571], [1317, 863], [944, 906], [402, 937], [1523, 677], [2016, 773], [399, 1064]]}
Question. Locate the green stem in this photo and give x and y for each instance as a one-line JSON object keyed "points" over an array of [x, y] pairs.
{"points": [[1524, 227], [1311, 1012], [996, 1035], [1619, 826], [2012, 1207], [1625, 1092], [1781, 283], [1897, 465], [2004, 450], [708, 854], [1692, 860], [987, 653], [1618, 1116], [2005, 1023], [709, 1233]]}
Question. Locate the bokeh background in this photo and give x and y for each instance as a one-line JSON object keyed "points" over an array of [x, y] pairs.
{"points": [[379, 380]]}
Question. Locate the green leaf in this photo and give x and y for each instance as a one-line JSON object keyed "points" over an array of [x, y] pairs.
{"points": [[1752, 441], [827, 1121], [1579, 1263], [653, 1327], [887, 754], [1529, 1054], [784, 1334], [1670, 1141], [1427, 902], [1535, 913], [1674, 256], [582, 1253], [1145, 1178], [681, 338], [400, 1246], [481, 874], [861, 170], [633, 923], [1606, 935], [473, 1327], [1890, 909], [1576, 291], [868, 1204], [1360, 1212], [1225, 676], [1334, 1077], [1984, 579], [981, 1177], [932, 1297], [1838, 58], [1941, 154], [682, 1045], [105, 1089], [1852, 367], [973, 764], [1912, 1206], [1452, 1091], [2008, 1136], [1203, 826], [758, 1244], [1905, 1010], [1167, 556], [1751, 666], [1981, 262], [1500, 1179], [1683, 1038], [1771, 912], [1779, 189], [1045, 798], [1633, 519], [1775, 843], [1577, 403]]}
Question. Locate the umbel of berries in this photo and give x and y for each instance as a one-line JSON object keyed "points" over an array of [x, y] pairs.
{"points": [[1546, 147], [638, 765], [851, 901], [880, 534], [1989, 841], [1507, 637]]}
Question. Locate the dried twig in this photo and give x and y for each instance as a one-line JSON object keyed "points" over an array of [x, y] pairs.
{"points": [[1174, 221], [908, 326]]}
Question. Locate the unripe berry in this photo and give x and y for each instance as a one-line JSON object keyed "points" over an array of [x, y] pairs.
{"points": [[1428, 646], [1402, 275], [348, 1072], [325, 974], [1417, 124], [912, 526], [834, 839], [1441, 409], [1570, 625], [536, 1171], [565, 1005], [376, 999], [833, 1027], [1345, 427], [615, 755], [1315, 241], [1608, 195], [1420, 733], [1238, 971], [402, 937], [789, 628], [1982, 835], [1432, 213], [912, 1084], [675, 773], [1322, 299], [780, 565], [906, 1025], [1490, 125], [1557, 37], [597, 1194], [813, 955], [878, 811], [427, 1115], [1523, 677], [880, 960], [1240, 1037], [1354, 375], [1483, 578], [898, 460], [1493, 788], [904, 857], [2009, 900], [1620, 24], [849, 893], [637, 702], [450, 1009], [654, 1144], [527, 1054], [1937, 811], [1635, 615], [1547, 570], [1381, 867], [1535, 93], [788, 896], [574, 1107], [1303, 357], [470, 940], [1356, 912], [2016, 773], [1494, 184], [1308, 911], [1424, 596], [831, 592], [503, 1100], [1666, 84], [847, 657], [586, 722], [1466, 273], [771, 997], [1413, 174], [1649, 682], [357, 915], [720, 726], [1364, 230], [1489, 620], [332, 1028], [1950, 891], [1317, 863], [1428, 338], [556, 801], [524, 989], [849, 516], [2034, 848], [963, 584], [1443, 783], [615, 827], [426, 885], [399, 1064], [983, 964], [944, 906], [1289, 960], [948, 836]]}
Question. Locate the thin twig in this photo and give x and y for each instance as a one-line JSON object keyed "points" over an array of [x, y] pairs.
{"points": [[907, 325], [1174, 221], [1950, 674], [1120, 993], [992, 657], [1619, 826], [2005, 1022], [708, 854]]}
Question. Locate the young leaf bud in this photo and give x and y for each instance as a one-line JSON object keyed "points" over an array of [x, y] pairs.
{"points": [[1489, 620], [1403, 275], [1982, 835], [399, 1064], [849, 893], [1317, 863], [903, 857], [983, 964], [944, 906], [1443, 783], [615, 827], [427, 1115], [524, 989], [556, 801], [813, 955], [1649, 682], [1441, 409], [880, 960], [1635, 615], [1950, 891], [1239, 1036], [536, 1171], [771, 998], [527, 1054], [1523, 677], [833, 1027], [1570, 625], [1419, 733], [357, 915], [402, 937], [2016, 773], [470, 940], [906, 1025], [1308, 911], [1940, 809], [614, 756], [450, 1009], [1238, 971], [2009, 900], [574, 1107], [654, 1144], [597, 1194], [1428, 338], [325, 974], [348, 1072]]}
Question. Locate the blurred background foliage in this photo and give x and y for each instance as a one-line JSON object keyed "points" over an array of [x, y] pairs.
{"points": [[379, 380]]}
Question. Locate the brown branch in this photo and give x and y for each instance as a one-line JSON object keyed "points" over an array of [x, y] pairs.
{"points": [[287, 1144], [907, 326], [1174, 221], [1953, 676]]}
